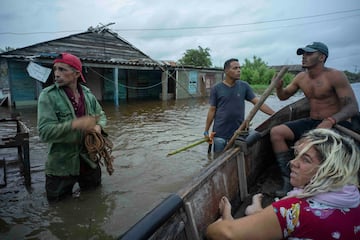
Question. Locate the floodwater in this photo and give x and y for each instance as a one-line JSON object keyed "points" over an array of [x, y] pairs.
{"points": [[143, 133]]}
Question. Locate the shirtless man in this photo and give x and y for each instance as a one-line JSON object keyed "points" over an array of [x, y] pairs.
{"points": [[331, 98]]}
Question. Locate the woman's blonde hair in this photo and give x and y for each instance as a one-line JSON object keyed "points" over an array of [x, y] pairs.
{"points": [[339, 161]]}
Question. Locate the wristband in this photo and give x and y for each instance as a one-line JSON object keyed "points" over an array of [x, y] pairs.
{"points": [[332, 120], [206, 133]]}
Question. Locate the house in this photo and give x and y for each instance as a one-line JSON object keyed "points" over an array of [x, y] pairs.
{"points": [[114, 70], [294, 69], [189, 81]]}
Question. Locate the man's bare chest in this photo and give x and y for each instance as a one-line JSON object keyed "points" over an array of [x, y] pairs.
{"points": [[317, 89]]}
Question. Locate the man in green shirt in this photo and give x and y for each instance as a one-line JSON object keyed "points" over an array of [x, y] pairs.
{"points": [[66, 111]]}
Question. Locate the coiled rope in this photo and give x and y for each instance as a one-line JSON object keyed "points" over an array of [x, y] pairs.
{"points": [[99, 148]]}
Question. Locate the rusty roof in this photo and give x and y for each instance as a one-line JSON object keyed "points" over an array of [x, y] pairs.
{"points": [[95, 46]]}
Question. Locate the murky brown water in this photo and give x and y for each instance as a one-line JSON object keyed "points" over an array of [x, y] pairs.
{"points": [[143, 134]]}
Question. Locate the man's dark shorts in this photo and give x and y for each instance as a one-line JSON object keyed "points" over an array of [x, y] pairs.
{"points": [[60, 187], [299, 127]]}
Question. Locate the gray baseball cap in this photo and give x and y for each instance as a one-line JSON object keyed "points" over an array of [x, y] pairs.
{"points": [[314, 47]]}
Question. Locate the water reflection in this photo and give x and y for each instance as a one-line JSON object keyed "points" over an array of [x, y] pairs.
{"points": [[143, 134]]}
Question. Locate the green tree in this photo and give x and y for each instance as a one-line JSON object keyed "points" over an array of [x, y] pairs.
{"points": [[353, 77], [196, 57], [288, 77], [256, 72]]}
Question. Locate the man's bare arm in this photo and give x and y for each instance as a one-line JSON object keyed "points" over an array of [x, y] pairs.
{"points": [[346, 96], [210, 117], [289, 90]]}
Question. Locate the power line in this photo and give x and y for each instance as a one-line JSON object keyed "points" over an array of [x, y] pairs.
{"points": [[238, 24], [251, 30], [33, 33], [193, 28]]}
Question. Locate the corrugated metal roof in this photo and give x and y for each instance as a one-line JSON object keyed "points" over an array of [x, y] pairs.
{"points": [[90, 46], [94, 46]]}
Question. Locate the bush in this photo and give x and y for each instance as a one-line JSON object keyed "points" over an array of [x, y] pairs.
{"points": [[258, 73]]}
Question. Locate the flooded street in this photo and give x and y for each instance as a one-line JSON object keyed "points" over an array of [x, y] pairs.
{"points": [[143, 134]]}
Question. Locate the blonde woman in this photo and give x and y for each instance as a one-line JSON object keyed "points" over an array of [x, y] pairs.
{"points": [[325, 202]]}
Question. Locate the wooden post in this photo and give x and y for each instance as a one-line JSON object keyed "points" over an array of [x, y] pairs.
{"points": [[116, 86], [256, 107]]}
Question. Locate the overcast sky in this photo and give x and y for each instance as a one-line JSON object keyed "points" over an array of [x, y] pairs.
{"points": [[165, 29]]}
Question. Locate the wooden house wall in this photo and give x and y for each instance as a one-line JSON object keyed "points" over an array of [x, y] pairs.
{"points": [[182, 85], [144, 84], [22, 86], [205, 79], [122, 83], [171, 82], [4, 75], [132, 84], [209, 80], [94, 81]]}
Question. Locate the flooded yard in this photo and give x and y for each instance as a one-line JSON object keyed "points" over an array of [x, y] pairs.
{"points": [[143, 133]]}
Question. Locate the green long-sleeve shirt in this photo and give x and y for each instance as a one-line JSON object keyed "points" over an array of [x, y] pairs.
{"points": [[65, 145]]}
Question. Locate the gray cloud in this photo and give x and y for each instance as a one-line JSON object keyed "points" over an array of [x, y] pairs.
{"points": [[244, 29]]}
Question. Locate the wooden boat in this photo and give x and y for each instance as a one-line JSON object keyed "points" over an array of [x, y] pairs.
{"points": [[247, 168]]}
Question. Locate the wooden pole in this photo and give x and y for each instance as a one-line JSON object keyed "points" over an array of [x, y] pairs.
{"points": [[256, 107], [349, 132]]}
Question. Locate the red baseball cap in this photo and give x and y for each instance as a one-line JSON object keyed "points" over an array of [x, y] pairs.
{"points": [[71, 60]]}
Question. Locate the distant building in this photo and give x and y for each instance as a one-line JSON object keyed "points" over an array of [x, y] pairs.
{"points": [[294, 69], [114, 70]]}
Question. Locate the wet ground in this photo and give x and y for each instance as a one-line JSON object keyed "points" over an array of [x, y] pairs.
{"points": [[143, 134]]}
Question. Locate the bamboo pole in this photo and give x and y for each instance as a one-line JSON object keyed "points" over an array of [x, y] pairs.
{"points": [[188, 146], [256, 107]]}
